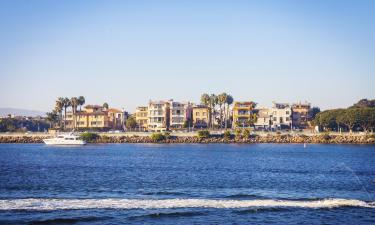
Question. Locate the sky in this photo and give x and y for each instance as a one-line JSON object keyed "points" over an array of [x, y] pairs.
{"points": [[128, 52]]}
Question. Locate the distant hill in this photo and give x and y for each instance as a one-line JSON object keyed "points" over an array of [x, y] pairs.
{"points": [[20, 112]]}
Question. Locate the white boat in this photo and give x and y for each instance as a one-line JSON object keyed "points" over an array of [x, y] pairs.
{"points": [[65, 139]]}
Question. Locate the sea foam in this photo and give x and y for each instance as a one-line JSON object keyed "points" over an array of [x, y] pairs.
{"points": [[72, 204]]}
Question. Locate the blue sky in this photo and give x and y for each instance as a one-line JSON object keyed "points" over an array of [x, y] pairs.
{"points": [[127, 52]]}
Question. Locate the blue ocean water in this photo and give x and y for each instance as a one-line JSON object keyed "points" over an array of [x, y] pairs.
{"points": [[187, 184]]}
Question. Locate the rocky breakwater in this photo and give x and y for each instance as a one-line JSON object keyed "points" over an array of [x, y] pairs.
{"points": [[271, 138], [22, 139], [319, 138]]}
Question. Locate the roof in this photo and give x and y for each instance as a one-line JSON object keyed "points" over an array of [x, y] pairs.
{"points": [[113, 110], [93, 106]]}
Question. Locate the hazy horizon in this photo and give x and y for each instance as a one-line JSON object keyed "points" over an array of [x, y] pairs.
{"points": [[128, 52]]}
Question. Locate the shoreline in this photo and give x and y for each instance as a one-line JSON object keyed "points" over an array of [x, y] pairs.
{"points": [[255, 139]]}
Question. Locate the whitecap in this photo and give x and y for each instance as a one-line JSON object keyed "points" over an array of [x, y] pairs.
{"points": [[110, 203]]}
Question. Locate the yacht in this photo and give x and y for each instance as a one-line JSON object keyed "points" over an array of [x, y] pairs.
{"points": [[65, 139]]}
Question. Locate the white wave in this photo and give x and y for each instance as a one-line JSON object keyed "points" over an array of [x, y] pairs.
{"points": [[67, 204]]}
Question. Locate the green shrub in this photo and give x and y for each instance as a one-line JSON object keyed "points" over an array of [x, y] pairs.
{"points": [[157, 137], [238, 133], [167, 135], [246, 133], [89, 136], [227, 134], [203, 134]]}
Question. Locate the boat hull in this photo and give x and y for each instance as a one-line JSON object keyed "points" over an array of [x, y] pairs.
{"points": [[63, 142]]}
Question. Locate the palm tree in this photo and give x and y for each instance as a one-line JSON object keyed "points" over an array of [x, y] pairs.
{"points": [[205, 99], [105, 105], [66, 103], [81, 101], [229, 102], [213, 103], [52, 118], [74, 103], [222, 99], [59, 105]]}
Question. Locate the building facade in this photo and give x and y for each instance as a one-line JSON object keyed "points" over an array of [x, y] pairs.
{"points": [[180, 114], [301, 115], [158, 116], [116, 118], [201, 116], [141, 117], [243, 114], [95, 117], [276, 118], [281, 116]]}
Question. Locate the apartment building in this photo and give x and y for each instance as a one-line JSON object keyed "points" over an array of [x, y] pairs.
{"points": [[141, 117], [301, 115], [95, 117], [264, 118], [180, 113], [116, 118], [243, 115], [281, 116], [201, 116], [158, 116]]}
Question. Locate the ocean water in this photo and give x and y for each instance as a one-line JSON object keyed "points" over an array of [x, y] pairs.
{"points": [[187, 184]]}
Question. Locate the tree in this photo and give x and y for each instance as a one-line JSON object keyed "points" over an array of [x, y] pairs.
{"points": [[229, 103], [66, 104], [105, 105], [81, 102], [366, 118], [328, 119], [205, 99], [213, 103], [131, 123], [222, 99], [348, 118], [363, 103], [74, 103], [52, 118], [314, 111], [59, 105]]}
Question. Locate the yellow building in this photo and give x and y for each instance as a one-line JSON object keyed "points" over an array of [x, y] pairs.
{"points": [[141, 117], [201, 116], [243, 115], [95, 117]]}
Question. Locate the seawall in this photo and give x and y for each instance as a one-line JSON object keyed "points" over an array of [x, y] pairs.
{"points": [[270, 138]]}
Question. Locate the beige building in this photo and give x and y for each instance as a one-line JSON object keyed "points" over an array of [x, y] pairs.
{"points": [[179, 114], [301, 115], [116, 118], [243, 115], [158, 116], [201, 116], [141, 117]]}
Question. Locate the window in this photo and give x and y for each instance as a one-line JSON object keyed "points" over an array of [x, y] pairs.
{"points": [[287, 112], [197, 113], [204, 114]]}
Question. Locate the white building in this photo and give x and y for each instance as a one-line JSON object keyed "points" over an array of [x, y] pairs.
{"points": [[158, 116], [277, 117]]}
